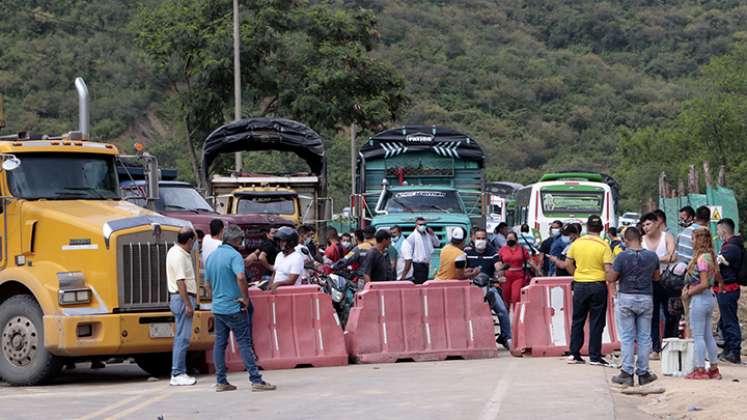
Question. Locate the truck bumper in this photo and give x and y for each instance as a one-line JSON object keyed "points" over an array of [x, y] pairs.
{"points": [[120, 334]]}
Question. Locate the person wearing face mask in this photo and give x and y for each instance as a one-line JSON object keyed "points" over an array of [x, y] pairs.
{"points": [[180, 280], [482, 255], [400, 251], [546, 246], [334, 251], [687, 216], [518, 260], [290, 262], [557, 255], [730, 260], [423, 240], [346, 240]]}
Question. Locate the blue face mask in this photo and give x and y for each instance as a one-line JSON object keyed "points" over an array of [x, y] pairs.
{"points": [[565, 239]]}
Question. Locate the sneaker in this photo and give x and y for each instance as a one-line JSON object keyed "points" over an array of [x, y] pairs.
{"points": [[732, 358], [182, 380], [647, 378], [503, 341], [97, 364], [714, 373], [654, 356], [263, 386], [624, 379], [698, 374], [575, 360], [600, 362], [224, 387]]}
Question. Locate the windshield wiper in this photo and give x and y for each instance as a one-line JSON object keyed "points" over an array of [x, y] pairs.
{"points": [[177, 207]]}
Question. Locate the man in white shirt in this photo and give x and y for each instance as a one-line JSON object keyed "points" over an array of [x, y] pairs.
{"points": [[289, 264], [211, 242], [180, 280], [423, 240]]}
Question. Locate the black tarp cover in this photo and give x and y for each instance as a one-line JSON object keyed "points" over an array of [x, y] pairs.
{"points": [[412, 138], [280, 134]]}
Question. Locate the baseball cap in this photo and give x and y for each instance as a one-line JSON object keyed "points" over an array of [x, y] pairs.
{"points": [[458, 234]]}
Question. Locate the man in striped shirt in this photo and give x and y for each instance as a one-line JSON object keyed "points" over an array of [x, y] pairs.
{"points": [[685, 238]]}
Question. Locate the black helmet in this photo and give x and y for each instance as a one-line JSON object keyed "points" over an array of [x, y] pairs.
{"points": [[287, 234]]}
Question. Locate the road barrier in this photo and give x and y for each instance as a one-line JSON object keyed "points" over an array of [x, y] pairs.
{"points": [[291, 327], [541, 323], [394, 321]]}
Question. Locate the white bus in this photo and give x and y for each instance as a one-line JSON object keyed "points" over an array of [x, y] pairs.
{"points": [[570, 197]]}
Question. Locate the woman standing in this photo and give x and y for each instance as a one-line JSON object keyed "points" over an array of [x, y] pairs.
{"points": [[701, 276], [517, 258]]}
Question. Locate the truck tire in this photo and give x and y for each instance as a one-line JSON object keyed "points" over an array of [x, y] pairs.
{"points": [[156, 364], [159, 364], [23, 358]]}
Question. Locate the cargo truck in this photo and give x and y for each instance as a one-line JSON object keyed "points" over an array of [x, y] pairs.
{"points": [[300, 198], [82, 271], [413, 171]]}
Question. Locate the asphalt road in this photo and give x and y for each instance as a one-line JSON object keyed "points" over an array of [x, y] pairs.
{"points": [[506, 388]]}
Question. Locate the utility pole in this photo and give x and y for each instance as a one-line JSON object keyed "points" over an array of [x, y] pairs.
{"points": [[236, 75], [352, 159]]}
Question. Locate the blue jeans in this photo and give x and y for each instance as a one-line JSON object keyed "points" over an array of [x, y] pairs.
{"points": [[634, 314], [701, 316], [182, 335], [499, 307], [728, 323], [241, 325]]}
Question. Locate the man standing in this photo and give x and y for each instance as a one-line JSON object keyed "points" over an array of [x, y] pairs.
{"points": [[453, 264], [211, 242], [232, 309], [546, 245], [377, 266], [687, 216], [401, 250], [559, 250], [422, 241], [589, 259], [636, 268], [482, 256], [685, 238], [268, 251], [727, 293], [180, 279]]}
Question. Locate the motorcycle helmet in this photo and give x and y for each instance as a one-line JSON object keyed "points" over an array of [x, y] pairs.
{"points": [[288, 235]]}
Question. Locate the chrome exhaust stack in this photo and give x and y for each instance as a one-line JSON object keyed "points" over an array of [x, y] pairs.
{"points": [[83, 108]]}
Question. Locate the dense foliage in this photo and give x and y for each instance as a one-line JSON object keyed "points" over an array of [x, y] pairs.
{"points": [[629, 87]]}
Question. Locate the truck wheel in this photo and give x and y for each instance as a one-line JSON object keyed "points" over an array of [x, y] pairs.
{"points": [[156, 364], [24, 359]]}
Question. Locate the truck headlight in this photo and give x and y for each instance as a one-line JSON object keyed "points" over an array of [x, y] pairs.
{"points": [[75, 296]]}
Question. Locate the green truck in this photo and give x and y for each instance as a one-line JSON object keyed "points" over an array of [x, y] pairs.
{"points": [[420, 171]]}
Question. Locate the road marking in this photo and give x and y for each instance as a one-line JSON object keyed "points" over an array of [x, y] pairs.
{"points": [[493, 406], [111, 407], [142, 405]]}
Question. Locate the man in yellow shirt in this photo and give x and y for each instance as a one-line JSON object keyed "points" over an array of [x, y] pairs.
{"points": [[453, 261], [589, 257]]}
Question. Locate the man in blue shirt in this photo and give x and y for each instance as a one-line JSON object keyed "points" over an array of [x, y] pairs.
{"points": [[232, 309]]}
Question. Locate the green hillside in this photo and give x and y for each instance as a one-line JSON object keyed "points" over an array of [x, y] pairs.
{"points": [[540, 84]]}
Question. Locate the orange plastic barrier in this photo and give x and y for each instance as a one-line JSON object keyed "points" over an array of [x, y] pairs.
{"points": [[295, 326], [394, 321], [541, 323]]}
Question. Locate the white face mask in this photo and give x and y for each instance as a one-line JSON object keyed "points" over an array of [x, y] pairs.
{"points": [[481, 244], [554, 231], [345, 244], [422, 228]]}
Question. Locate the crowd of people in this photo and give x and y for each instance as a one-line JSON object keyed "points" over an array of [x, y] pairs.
{"points": [[654, 277]]}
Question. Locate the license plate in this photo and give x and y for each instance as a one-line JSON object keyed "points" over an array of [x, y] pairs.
{"points": [[161, 330]]}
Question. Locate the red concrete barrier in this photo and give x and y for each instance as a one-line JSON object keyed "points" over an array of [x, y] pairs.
{"points": [[295, 326], [541, 323], [394, 321]]}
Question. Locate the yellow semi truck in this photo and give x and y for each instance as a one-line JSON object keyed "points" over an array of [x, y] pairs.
{"points": [[82, 272]]}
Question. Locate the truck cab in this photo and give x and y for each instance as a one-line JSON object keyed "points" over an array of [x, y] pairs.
{"points": [[262, 201]]}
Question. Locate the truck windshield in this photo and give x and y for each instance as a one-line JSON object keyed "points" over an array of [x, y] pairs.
{"points": [[572, 202], [422, 201], [62, 176], [182, 198], [266, 205]]}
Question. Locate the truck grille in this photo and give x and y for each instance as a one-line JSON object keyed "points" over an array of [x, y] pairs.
{"points": [[143, 275]]}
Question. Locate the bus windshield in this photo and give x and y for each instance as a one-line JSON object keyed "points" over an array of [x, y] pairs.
{"points": [[421, 201], [572, 202]]}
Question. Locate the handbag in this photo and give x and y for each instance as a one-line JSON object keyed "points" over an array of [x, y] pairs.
{"points": [[673, 279], [528, 271]]}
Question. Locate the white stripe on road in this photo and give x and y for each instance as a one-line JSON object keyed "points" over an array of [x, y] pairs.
{"points": [[140, 406], [493, 407], [111, 407]]}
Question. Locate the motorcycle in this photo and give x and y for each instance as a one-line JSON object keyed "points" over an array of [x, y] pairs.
{"points": [[341, 289]]}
